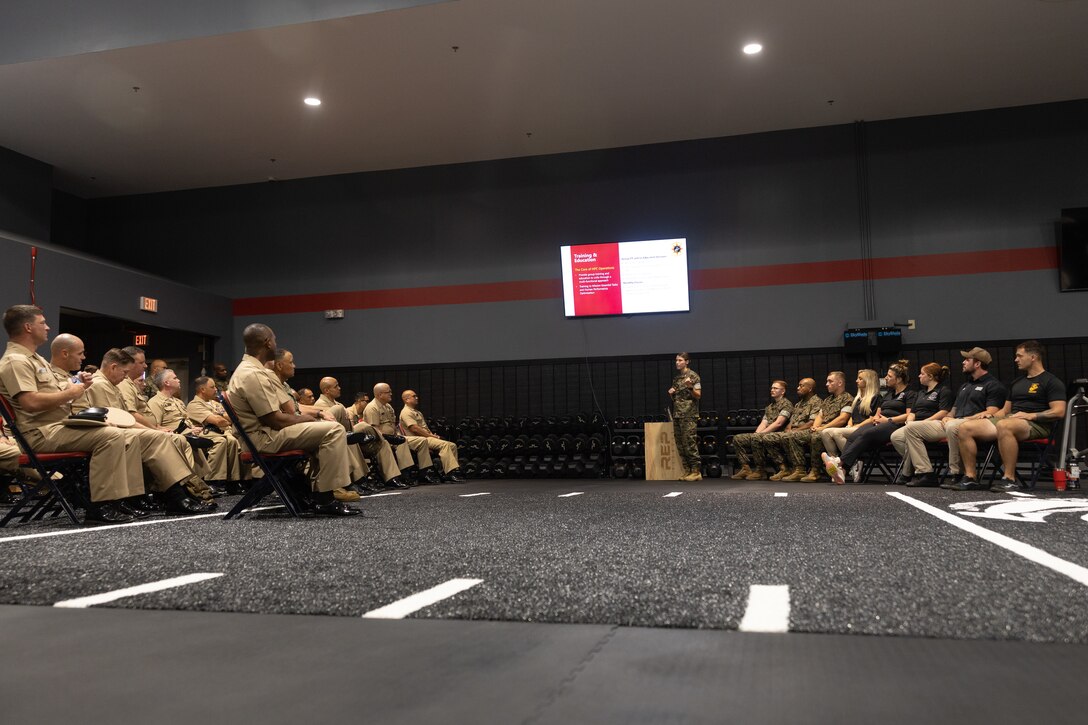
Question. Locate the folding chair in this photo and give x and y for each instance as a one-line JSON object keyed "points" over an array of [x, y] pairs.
{"points": [[874, 459], [273, 465], [46, 496], [1041, 447]]}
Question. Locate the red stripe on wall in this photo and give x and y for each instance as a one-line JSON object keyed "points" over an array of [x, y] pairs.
{"points": [[848, 270]]}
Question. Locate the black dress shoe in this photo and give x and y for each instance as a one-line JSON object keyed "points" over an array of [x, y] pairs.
{"points": [[456, 476], [133, 511], [107, 513], [396, 482], [336, 508], [1005, 485], [431, 476], [235, 488], [184, 505], [361, 438], [143, 503], [967, 484]]}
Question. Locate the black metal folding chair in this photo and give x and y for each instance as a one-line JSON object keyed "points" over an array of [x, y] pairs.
{"points": [[275, 467], [1037, 449], [48, 496]]}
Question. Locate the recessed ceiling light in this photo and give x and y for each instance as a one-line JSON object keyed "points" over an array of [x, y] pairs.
{"points": [[752, 48], [311, 101]]}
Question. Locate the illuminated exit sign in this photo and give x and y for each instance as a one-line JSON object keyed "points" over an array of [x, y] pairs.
{"points": [[139, 340], [149, 304]]}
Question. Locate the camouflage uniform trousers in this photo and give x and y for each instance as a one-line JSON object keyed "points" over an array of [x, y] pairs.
{"points": [[749, 450], [794, 446], [687, 444]]}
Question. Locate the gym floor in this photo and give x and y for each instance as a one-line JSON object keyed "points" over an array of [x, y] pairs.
{"points": [[562, 601]]}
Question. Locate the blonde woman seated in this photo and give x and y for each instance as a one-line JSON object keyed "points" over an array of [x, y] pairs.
{"points": [[862, 411], [892, 415]]}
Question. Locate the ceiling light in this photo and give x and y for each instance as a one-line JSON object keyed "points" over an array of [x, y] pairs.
{"points": [[752, 48], [311, 101]]}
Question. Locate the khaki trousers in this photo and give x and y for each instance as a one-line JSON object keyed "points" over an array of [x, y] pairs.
{"points": [[323, 439], [9, 458], [115, 468], [910, 441], [380, 449], [417, 445], [447, 452], [221, 462], [834, 440]]}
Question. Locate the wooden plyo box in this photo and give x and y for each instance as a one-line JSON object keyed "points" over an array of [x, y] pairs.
{"points": [[662, 459]]}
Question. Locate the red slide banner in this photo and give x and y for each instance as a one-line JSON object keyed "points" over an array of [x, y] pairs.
{"points": [[595, 269]]}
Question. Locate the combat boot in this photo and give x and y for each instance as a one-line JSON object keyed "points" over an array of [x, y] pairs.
{"points": [[797, 475], [743, 473], [757, 475], [812, 477], [695, 475], [782, 472]]}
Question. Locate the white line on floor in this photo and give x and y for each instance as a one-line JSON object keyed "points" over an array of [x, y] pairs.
{"points": [[674, 494], [1074, 571], [1018, 494], [403, 607], [568, 495], [470, 495], [780, 494], [387, 493], [768, 609], [107, 527], [178, 581]]}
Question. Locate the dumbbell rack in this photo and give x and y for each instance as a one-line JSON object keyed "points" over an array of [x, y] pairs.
{"points": [[632, 434], [551, 447], [734, 423]]}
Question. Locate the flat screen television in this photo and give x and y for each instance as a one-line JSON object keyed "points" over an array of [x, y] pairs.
{"points": [[625, 278], [1073, 249]]}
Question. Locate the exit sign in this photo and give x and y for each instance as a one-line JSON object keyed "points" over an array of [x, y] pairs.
{"points": [[149, 304], [139, 340]]}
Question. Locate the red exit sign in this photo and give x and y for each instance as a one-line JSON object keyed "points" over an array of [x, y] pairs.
{"points": [[139, 340], [149, 304]]}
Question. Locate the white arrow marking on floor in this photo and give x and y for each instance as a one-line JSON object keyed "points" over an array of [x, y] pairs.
{"points": [[178, 581], [403, 607], [674, 494], [107, 527], [780, 494], [768, 609], [568, 495], [1074, 571], [470, 495]]}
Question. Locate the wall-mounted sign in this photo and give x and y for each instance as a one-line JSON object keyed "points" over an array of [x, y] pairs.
{"points": [[149, 304], [139, 340]]}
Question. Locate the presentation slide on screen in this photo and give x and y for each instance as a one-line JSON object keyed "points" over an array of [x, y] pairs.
{"points": [[625, 278]]}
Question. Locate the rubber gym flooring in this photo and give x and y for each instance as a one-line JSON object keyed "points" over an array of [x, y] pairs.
{"points": [[562, 601]]}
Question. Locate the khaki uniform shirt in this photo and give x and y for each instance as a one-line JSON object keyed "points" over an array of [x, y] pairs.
{"points": [[167, 410], [134, 399], [354, 416], [199, 409], [24, 371], [102, 394], [255, 391], [324, 402], [781, 407], [381, 417], [804, 411], [412, 416]]}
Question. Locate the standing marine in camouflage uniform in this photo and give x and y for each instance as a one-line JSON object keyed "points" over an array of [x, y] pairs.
{"points": [[775, 417], [773, 445], [686, 390], [805, 449]]}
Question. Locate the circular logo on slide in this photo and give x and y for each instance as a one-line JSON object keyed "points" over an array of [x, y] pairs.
{"points": [[676, 249]]}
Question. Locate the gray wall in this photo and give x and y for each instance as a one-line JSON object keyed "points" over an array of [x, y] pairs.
{"points": [[967, 182], [26, 189], [67, 279]]}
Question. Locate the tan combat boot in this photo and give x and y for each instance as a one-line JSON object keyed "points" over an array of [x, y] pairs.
{"points": [[797, 475], [695, 475], [743, 473], [782, 472], [757, 475], [812, 477]]}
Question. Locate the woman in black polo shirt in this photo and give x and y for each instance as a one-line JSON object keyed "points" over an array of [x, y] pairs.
{"points": [[892, 415], [933, 403]]}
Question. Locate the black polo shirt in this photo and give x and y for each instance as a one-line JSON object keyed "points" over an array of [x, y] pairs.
{"points": [[926, 405], [897, 403], [1034, 395], [975, 396]]}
